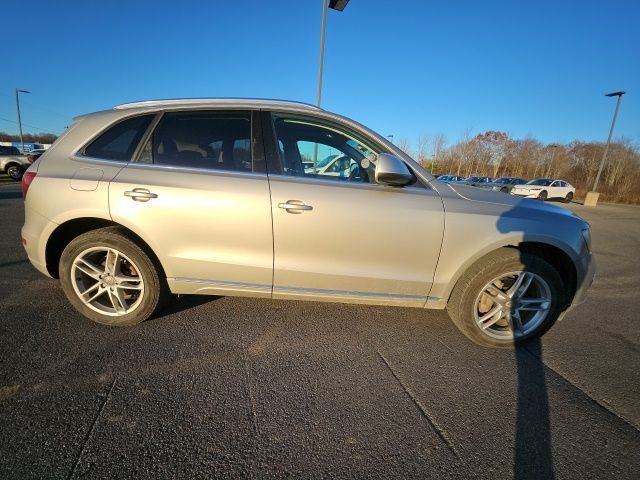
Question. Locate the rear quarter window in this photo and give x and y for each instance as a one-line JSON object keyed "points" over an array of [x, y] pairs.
{"points": [[119, 141]]}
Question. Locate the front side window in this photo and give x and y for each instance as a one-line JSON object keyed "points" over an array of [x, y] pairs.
{"points": [[214, 140], [120, 141], [311, 148]]}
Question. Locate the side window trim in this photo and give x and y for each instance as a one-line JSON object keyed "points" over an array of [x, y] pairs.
{"points": [[135, 158], [274, 162], [255, 144], [272, 158]]}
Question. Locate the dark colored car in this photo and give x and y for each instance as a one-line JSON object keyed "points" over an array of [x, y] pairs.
{"points": [[450, 178], [477, 181], [503, 184]]}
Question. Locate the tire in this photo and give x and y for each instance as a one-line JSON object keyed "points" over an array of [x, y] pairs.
{"points": [[504, 190], [468, 295], [15, 172], [142, 292], [542, 196], [568, 198]]}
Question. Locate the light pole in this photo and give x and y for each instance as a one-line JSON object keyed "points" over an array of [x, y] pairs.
{"points": [[390, 137], [338, 5], [592, 197], [19, 91]]}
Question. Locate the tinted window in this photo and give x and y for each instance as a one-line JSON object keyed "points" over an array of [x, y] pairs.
{"points": [[120, 141], [215, 140], [9, 150], [540, 181], [312, 149]]}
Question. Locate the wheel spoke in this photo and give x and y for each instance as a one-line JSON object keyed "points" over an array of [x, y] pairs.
{"points": [[91, 298], [497, 295], [118, 301], [111, 262], [88, 268], [516, 285], [517, 321], [129, 283], [491, 317], [534, 304]]}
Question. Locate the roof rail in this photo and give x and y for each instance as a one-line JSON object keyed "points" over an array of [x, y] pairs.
{"points": [[215, 101]]}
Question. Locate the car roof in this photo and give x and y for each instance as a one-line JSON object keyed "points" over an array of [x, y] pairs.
{"points": [[218, 102]]}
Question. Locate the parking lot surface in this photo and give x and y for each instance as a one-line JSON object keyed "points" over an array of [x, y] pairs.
{"points": [[236, 387]]}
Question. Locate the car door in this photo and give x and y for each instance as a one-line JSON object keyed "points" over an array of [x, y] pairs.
{"points": [[198, 194], [555, 190], [346, 238]]}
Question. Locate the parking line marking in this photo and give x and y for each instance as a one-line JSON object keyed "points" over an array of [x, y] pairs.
{"points": [[90, 432], [440, 432]]}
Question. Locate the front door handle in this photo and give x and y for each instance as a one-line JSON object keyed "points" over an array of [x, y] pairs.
{"points": [[140, 194], [295, 206]]}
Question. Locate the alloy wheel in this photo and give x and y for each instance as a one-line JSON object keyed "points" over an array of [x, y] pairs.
{"points": [[107, 281], [512, 305]]}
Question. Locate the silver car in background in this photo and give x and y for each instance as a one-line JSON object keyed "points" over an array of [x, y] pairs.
{"points": [[219, 196]]}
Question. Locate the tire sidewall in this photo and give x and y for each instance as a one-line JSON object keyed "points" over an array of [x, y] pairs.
{"points": [[100, 238]]}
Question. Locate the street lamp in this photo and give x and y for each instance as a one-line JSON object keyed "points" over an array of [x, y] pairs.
{"points": [[592, 197], [18, 91], [338, 5]]}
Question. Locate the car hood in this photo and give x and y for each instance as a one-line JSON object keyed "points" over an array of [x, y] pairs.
{"points": [[489, 196]]}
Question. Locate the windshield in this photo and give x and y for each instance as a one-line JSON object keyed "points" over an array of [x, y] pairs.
{"points": [[541, 181]]}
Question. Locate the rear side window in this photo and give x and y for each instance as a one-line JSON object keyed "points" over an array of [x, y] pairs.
{"points": [[213, 140], [9, 150], [120, 141]]}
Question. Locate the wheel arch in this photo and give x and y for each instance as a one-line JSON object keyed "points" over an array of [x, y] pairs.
{"points": [[555, 255], [67, 231]]}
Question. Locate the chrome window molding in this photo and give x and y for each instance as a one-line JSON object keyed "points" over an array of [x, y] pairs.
{"points": [[195, 170], [344, 183]]}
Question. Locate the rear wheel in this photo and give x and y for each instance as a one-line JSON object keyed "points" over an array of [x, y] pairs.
{"points": [[504, 190], [15, 172], [568, 198], [542, 196], [506, 298], [110, 279]]}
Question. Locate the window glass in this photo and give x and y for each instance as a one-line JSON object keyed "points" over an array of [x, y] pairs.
{"points": [[316, 150], [120, 141], [218, 140]]}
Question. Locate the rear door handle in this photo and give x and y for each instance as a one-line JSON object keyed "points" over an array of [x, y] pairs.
{"points": [[140, 194], [295, 206]]}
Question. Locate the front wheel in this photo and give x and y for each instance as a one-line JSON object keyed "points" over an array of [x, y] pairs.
{"points": [[506, 298], [110, 279], [542, 196], [15, 172], [568, 198]]}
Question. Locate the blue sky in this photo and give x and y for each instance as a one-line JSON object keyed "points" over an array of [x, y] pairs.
{"points": [[405, 68]]}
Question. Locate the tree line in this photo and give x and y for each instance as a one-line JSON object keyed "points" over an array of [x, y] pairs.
{"points": [[495, 154], [29, 137]]}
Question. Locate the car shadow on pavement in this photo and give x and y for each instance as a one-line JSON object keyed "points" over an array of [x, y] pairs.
{"points": [[533, 456], [180, 303]]}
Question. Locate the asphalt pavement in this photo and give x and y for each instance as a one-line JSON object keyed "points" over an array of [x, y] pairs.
{"points": [[238, 387]]}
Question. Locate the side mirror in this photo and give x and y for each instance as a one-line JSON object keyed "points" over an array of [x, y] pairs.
{"points": [[390, 170]]}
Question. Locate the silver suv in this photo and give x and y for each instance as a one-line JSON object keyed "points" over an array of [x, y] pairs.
{"points": [[229, 197]]}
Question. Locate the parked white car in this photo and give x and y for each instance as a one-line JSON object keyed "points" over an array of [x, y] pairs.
{"points": [[546, 189]]}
